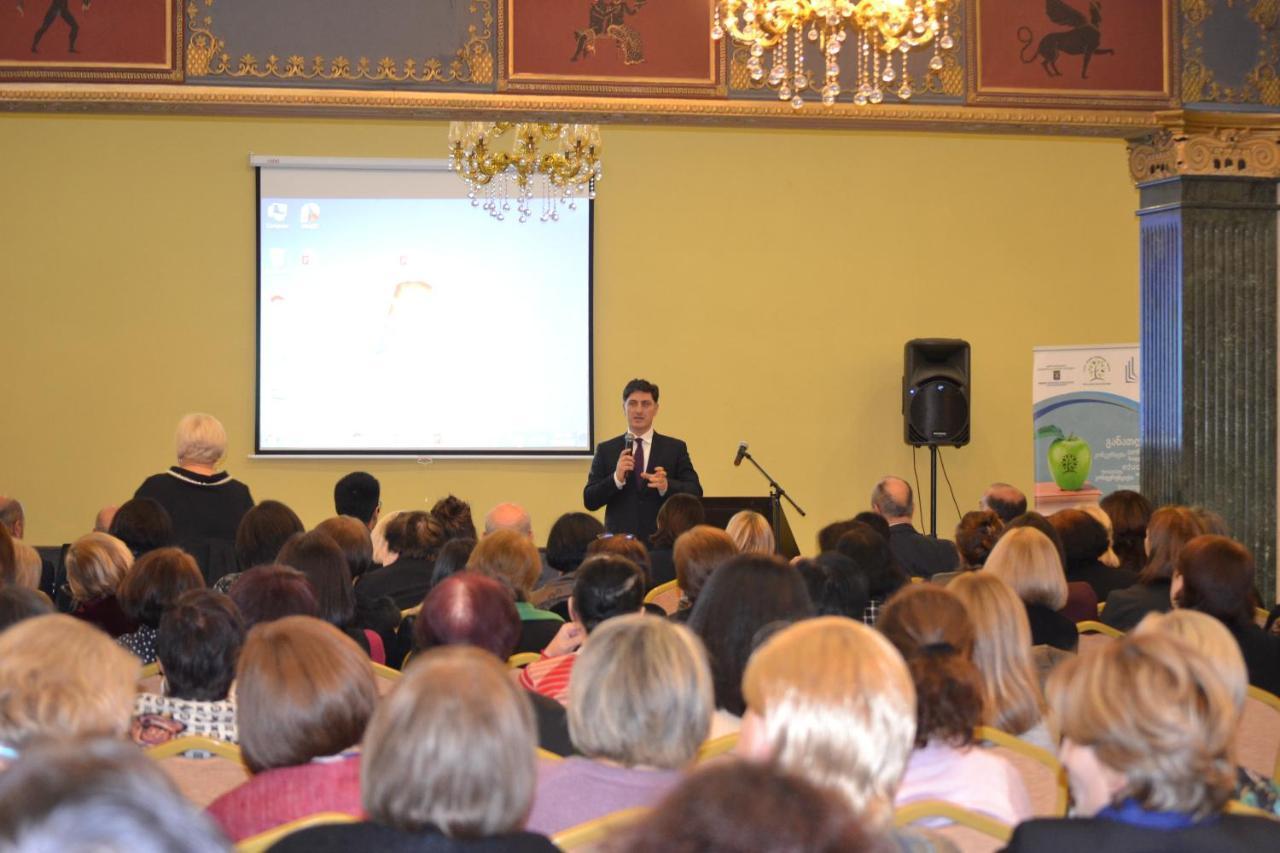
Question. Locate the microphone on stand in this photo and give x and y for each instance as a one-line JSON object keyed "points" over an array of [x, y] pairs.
{"points": [[742, 452]]}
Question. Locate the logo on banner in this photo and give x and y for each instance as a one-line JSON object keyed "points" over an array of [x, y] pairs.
{"points": [[1130, 371], [1096, 369]]}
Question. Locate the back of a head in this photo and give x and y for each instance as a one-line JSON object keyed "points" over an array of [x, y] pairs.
{"points": [[1153, 709], [1168, 531], [1216, 575], [201, 440], [98, 796], [25, 568], [641, 693], [303, 690], [63, 677], [1084, 539], [12, 517], [198, 645], [262, 532], [976, 535], [875, 520], [143, 525], [621, 545], [744, 595], [678, 513], [454, 515], [872, 559], [1006, 501], [453, 558], [892, 498], [354, 540], [1027, 561], [96, 564], [569, 539], [1209, 637], [508, 516], [698, 554], [471, 609], [734, 806], [830, 535], [417, 535], [606, 587], [837, 707], [929, 627], [835, 585], [317, 556], [509, 557], [8, 557], [751, 532], [1129, 512], [19, 602], [270, 592], [155, 581], [451, 747], [1036, 521], [358, 495]]}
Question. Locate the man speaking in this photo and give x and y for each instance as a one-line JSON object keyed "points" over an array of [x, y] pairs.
{"points": [[634, 473]]}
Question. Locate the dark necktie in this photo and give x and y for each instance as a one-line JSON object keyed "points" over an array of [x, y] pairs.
{"points": [[639, 457]]}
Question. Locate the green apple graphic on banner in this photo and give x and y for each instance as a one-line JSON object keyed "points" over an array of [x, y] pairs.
{"points": [[1069, 458]]}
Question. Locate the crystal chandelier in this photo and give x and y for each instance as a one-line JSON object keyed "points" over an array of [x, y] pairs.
{"points": [[506, 163], [884, 32]]}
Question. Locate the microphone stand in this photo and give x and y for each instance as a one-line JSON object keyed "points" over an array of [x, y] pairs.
{"points": [[776, 494]]}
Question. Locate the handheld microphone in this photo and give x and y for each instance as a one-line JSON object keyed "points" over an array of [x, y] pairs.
{"points": [[629, 443], [742, 452]]}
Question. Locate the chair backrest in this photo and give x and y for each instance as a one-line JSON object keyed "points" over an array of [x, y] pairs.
{"points": [[265, 840], [1256, 744], [522, 659], [201, 780], [717, 746], [410, 611], [1041, 772], [1260, 616], [969, 831], [150, 680], [548, 755], [1094, 635], [385, 678], [588, 835], [665, 595]]}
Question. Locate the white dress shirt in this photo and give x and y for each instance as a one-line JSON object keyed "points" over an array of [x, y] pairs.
{"points": [[647, 440]]}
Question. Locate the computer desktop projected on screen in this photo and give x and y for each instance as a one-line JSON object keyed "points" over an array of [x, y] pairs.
{"points": [[396, 318]]}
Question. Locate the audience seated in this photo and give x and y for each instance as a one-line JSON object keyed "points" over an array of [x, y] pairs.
{"points": [[206, 505], [751, 532], [1147, 725], [639, 707], [1129, 512], [1084, 540], [623, 545], [415, 538], [96, 564], [453, 558], [748, 593], [1006, 501], [62, 678], [831, 700], [260, 535], [1108, 558], [454, 514], [354, 540], [678, 513], [835, 586], [737, 806], [931, 630], [872, 560], [304, 693], [319, 558], [17, 568], [143, 525], [98, 795], [1012, 700], [198, 644], [150, 586], [1212, 639], [830, 535], [567, 544], [358, 495], [449, 765], [698, 553], [382, 553], [920, 555], [1082, 601], [1169, 529], [469, 609], [18, 603], [607, 587], [1026, 560], [271, 592], [976, 534], [513, 559], [1214, 574]]}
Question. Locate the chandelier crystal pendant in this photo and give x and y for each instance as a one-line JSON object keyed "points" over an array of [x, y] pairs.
{"points": [[883, 33], [508, 163]]}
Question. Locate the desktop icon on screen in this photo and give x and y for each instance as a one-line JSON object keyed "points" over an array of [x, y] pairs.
{"points": [[310, 214], [277, 211]]}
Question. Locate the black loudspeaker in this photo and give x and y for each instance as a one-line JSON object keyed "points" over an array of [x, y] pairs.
{"points": [[935, 392]]}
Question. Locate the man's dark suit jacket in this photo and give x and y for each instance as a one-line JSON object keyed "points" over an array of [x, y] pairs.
{"points": [[1226, 834], [634, 509], [922, 556]]}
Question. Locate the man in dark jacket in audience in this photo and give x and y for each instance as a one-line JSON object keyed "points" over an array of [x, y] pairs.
{"points": [[922, 556]]}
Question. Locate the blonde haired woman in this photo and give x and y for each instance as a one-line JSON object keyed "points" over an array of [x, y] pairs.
{"points": [[96, 564], [1028, 562], [1147, 723], [751, 532], [1002, 653]]}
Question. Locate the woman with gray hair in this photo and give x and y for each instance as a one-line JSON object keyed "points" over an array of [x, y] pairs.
{"points": [[640, 705], [205, 504]]}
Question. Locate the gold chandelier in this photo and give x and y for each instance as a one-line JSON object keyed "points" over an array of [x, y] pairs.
{"points": [[506, 163], [882, 30]]}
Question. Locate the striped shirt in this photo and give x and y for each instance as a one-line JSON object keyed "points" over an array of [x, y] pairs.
{"points": [[550, 676]]}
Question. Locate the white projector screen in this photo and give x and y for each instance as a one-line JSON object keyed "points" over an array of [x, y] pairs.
{"points": [[394, 318]]}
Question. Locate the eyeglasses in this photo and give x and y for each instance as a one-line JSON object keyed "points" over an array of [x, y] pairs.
{"points": [[618, 535]]}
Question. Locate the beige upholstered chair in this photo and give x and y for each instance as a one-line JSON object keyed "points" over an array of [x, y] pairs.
{"points": [[1041, 772], [665, 595], [201, 779], [1257, 741], [969, 831]]}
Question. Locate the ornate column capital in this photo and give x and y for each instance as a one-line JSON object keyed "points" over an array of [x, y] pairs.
{"points": [[1215, 144]]}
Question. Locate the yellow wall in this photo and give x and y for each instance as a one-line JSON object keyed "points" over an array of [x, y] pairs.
{"points": [[785, 271]]}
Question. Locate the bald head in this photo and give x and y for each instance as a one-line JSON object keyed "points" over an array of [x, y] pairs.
{"points": [[1004, 500], [508, 517], [892, 499], [102, 522], [12, 517]]}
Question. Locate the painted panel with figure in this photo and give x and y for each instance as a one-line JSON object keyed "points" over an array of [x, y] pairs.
{"points": [[46, 40]]}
